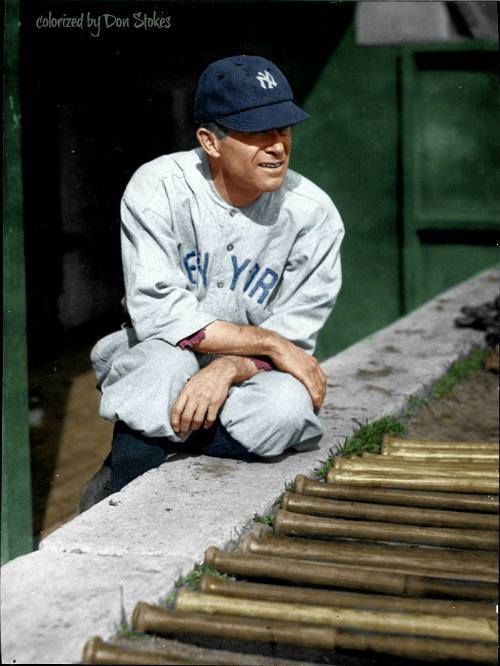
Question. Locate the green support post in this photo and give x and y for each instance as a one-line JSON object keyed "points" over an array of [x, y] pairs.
{"points": [[17, 536]]}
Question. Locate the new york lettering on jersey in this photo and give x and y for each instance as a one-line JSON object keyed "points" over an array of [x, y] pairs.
{"points": [[252, 279]]}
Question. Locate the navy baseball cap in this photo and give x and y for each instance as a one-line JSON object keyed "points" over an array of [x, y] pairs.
{"points": [[246, 93]]}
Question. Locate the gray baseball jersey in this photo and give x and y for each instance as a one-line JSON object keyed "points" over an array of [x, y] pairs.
{"points": [[190, 258]]}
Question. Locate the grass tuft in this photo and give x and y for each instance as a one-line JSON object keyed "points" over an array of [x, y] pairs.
{"points": [[289, 487], [459, 370], [169, 601], [265, 520], [191, 581], [368, 438], [416, 403], [324, 465], [123, 630]]}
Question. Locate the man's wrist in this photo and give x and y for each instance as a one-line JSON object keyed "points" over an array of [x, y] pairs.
{"points": [[229, 366], [271, 343], [236, 368]]}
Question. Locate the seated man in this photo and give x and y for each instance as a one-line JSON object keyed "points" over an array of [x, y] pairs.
{"points": [[231, 265]]}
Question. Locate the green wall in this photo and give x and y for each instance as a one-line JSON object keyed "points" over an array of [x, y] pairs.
{"points": [[349, 148], [367, 145], [451, 165]]}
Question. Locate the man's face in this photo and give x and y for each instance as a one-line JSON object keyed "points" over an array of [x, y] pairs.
{"points": [[255, 162]]}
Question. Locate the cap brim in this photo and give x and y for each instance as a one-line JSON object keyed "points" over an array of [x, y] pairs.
{"points": [[263, 118]]}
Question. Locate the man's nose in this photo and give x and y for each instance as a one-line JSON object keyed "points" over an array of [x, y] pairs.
{"points": [[276, 143]]}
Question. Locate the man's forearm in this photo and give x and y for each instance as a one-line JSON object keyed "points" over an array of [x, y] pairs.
{"points": [[223, 337]]}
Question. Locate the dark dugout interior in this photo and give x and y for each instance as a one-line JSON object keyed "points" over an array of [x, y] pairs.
{"points": [[96, 107]]}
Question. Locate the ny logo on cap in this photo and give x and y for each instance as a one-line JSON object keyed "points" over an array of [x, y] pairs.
{"points": [[266, 79]]}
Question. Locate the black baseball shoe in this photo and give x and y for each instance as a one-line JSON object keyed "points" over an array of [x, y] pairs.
{"points": [[96, 489]]}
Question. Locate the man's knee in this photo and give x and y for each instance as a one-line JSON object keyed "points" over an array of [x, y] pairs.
{"points": [[288, 402], [107, 349], [270, 413], [142, 385], [156, 358]]}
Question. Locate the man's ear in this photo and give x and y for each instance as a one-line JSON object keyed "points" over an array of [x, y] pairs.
{"points": [[208, 141]]}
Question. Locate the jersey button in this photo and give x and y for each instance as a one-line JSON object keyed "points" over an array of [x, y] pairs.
{"points": [[233, 212], [230, 247], [220, 284]]}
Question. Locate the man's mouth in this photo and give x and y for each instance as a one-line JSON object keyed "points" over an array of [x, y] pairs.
{"points": [[271, 165]]}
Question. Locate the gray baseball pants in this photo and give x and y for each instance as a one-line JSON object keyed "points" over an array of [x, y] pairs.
{"points": [[140, 382]]}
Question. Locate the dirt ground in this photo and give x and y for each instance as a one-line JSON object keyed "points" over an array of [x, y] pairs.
{"points": [[471, 413], [70, 442]]}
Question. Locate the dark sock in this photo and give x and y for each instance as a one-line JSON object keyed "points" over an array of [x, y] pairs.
{"points": [[218, 443], [133, 454]]}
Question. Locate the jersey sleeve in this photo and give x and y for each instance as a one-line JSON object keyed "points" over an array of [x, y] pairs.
{"points": [[157, 297], [310, 285]]}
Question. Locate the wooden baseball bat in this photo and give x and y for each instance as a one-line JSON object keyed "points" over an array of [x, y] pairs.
{"points": [[442, 563], [344, 576], [388, 464], [150, 619], [294, 524], [438, 500], [417, 624], [307, 635], [405, 515], [96, 651], [450, 455], [306, 595], [154, 650], [440, 444], [452, 483]]}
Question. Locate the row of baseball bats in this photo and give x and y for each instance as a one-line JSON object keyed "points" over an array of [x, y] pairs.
{"points": [[395, 554]]}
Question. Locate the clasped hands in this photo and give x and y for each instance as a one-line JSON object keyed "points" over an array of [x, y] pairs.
{"points": [[203, 396]]}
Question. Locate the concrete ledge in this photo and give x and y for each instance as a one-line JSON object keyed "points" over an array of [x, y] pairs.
{"points": [[155, 529]]}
